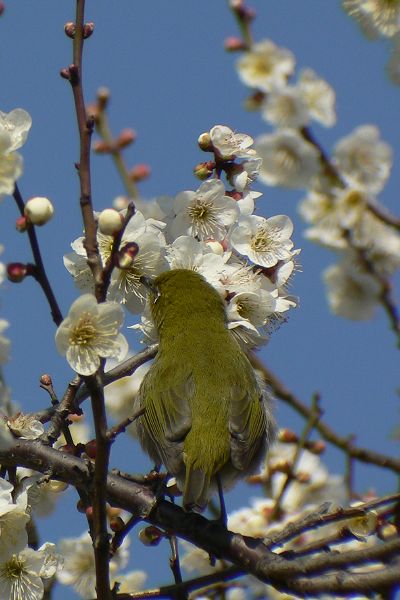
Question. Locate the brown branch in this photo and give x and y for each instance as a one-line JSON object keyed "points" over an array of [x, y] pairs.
{"points": [[39, 271], [344, 443], [312, 574], [85, 127]]}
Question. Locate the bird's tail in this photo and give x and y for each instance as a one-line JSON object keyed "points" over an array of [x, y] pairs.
{"points": [[196, 489]]}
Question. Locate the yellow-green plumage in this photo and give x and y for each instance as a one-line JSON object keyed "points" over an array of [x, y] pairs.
{"points": [[205, 412]]}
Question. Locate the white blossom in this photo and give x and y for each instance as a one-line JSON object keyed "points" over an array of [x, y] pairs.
{"points": [[351, 294], [4, 343], [21, 575], [264, 241], [188, 253], [89, 332], [364, 159], [254, 307], [319, 97], [285, 107], [79, 564], [375, 16], [42, 493], [288, 159], [265, 66], [26, 427], [204, 214], [14, 129], [10, 171], [231, 145], [13, 519], [242, 175]]}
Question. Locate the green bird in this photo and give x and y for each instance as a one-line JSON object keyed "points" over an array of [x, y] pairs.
{"points": [[206, 415]]}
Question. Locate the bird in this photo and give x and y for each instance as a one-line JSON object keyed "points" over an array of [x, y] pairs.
{"points": [[205, 415]]}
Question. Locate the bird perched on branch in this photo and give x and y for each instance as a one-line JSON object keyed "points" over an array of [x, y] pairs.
{"points": [[206, 416]]}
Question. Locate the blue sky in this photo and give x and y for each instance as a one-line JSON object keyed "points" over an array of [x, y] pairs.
{"points": [[170, 80]]}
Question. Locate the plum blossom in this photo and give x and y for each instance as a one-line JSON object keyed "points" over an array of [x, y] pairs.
{"points": [[364, 159], [285, 107], [91, 332], [231, 145], [351, 293], [14, 128], [204, 214], [318, 96], [21, 575], [288, 159], [265, 66], [264, 241]]}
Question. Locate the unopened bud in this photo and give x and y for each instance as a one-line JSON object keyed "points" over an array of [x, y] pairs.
{"points": [[120, 202], [125, 138], [216, 247], [21, 224], [317, 447], [89, 513], [39, 210], [204, 170], [70, 29], [65, 74], [151, 536], [103, 96], [91, 448], [388, 531], [46, 380], [253, 102], [234, 44], [303, 477], [110, 221], [287, 436], [140, 172], [204, 141], [101, 147], [88, 29], [117, 524], [282, 466], [127, 255], [16, 272]]}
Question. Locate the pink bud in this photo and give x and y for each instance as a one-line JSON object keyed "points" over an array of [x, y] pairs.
{"points": [[46, 380], [88, 29], [234, 44], [70, 29], [21, 224], [140, 172], [16, 272], [125, 138]]}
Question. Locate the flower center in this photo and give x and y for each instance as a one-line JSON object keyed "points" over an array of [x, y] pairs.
{"points": [[13, 568], [285, 158], [261, 241], [84, 331], [201, 211]]}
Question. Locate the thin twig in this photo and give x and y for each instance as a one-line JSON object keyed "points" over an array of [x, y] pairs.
{"points": [[39, 271]]}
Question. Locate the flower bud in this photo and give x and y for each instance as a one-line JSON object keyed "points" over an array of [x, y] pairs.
{"points": [[253, 102], [364, 525], [88, 29], [388, 531], [151, 536], [21, 224], [101, 147], [127, 254], [317, 447], [89, 513], [287, 436], [234, 44], [120, 202], [70, 29], [16, 272], [117, 524], [39, 210], [110, 221], [46, 380], [91, 448], [139, 172], [204, 170], [204, 142], [103, 96], [125, 138]]}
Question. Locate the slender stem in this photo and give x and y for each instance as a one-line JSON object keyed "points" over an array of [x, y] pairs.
{"points": [[105, 133], [85, 127], [40, 272]]}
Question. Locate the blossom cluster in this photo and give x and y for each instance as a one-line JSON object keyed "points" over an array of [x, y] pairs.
{"points": [[212, 230], [378, 18], [341, 205]]}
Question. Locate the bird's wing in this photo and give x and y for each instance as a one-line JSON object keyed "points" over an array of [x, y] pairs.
{"points": [[247, 425], [167, 418]]}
